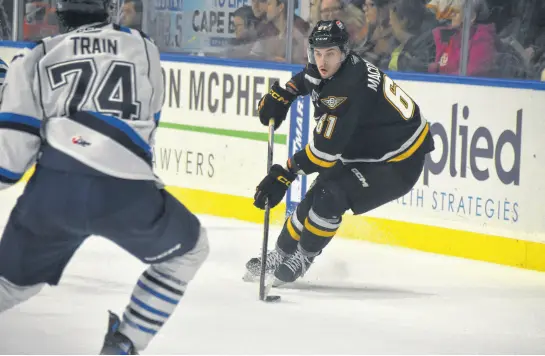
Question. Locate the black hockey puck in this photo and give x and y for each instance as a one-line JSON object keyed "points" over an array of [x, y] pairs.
{"points": [[272, 298]]}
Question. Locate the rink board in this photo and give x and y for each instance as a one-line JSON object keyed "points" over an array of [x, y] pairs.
{"points": [[480, 195]]}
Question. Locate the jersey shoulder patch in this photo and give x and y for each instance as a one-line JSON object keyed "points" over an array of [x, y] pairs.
{"points": [[344, 90], [335, 96], [333, 102]]}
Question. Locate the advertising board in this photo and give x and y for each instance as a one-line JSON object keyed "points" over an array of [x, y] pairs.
{"points": [[479, 195]]}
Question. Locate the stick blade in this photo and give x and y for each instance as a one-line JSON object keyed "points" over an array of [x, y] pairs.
{"points": [[272, 298]]}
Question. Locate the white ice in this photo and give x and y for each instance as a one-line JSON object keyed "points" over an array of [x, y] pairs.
{"points": [[358, 298]]}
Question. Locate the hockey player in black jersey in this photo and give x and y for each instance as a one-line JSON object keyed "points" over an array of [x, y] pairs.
{"points": [[368, 148]]}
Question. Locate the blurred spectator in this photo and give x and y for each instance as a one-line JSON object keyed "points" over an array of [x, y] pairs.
{"points": [[380, 41], [349, 14], [274, 47], [245, 33], [6, 13], [265, 27], [518, 19], [448, 41], [354, 19], [540, 54], [417, 48], [245, 25], [331, 9], [502, 12], [443, 9], [430, 20], [131, 14], [299, 24], [40, 21], [513, 60], [522, 37], [259, 7], [314, 12], [357, 3]]}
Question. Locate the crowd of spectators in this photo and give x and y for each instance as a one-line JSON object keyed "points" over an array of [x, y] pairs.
{"points": [[507, 38]]}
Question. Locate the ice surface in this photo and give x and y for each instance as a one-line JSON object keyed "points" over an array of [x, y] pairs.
{"points": [[357, 298]]}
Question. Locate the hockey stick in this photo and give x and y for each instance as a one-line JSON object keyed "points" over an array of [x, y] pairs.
{"points": [[262, 287]]}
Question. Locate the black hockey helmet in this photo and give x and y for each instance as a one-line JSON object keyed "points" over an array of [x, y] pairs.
{"points": [[84, 6], [329, 33], [76, 13]]}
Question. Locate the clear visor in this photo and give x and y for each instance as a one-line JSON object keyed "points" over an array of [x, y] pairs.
{"points": [[326, 57], [310, 55]]}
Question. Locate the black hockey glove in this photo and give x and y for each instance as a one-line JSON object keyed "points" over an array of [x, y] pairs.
{"points": [[273, 187], [275, 104]]}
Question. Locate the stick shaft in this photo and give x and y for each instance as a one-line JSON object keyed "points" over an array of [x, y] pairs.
{"points": [[266, 222]]}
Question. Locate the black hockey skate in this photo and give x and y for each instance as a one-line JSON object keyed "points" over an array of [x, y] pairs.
{"points": [[116, 343], [253, 266], [292, 268]]}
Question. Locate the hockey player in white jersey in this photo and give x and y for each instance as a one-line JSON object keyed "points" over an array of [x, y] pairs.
{"points": [[83, 107]]}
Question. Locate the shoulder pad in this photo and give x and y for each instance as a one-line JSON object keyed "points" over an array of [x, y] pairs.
{"points": [[20, 54], [27, 50]]}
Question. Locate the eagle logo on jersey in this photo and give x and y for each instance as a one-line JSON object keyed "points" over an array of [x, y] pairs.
{"points": [[333, 102]]}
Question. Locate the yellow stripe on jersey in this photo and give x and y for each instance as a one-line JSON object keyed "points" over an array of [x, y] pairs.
{"points": [[317, 231], [317, 161], [293, 233], [411, 150]]}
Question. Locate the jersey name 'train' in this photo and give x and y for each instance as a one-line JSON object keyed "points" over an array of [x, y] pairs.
{"points": [[94, 94]]}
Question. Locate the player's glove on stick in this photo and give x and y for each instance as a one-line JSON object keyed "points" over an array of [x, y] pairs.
{"points": [[275, 104], [273, 187]]}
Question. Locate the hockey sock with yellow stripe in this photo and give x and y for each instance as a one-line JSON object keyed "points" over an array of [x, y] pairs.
{"points": [[290, 235], [318, 232]]}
